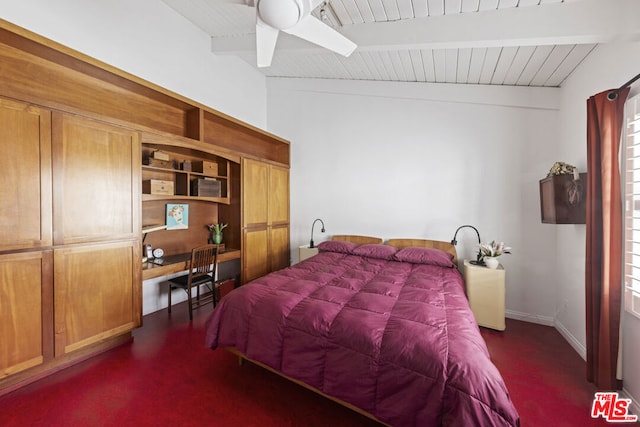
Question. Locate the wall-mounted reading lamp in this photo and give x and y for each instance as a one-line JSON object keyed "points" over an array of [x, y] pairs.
{"points": [[454, 242], [321, 230], [151, 229]]}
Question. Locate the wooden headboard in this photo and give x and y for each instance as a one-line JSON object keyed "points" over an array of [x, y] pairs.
{"points": [[360, 240], [436, 244]]}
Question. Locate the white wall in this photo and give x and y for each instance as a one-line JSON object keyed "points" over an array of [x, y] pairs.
{"points": [[416, 160], [150, 40], [607, 67], [419, 160]]}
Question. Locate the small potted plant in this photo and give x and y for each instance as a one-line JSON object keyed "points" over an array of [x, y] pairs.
{"points": [[216, 232], [491, 251]]}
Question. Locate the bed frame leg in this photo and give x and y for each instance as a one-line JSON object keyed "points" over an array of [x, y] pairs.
{"points": [[240, 361]]}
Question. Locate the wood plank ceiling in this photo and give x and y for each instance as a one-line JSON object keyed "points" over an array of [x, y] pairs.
{"points": [[489, 42]]}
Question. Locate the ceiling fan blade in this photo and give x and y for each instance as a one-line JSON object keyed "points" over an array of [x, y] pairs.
{"points": [[266, 38], [312, 29]]}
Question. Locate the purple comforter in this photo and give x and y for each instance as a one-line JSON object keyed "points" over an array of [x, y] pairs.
{"points": [[396, 339]]}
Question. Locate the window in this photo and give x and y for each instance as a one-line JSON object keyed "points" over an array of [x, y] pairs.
{"points": [[631, 134]]}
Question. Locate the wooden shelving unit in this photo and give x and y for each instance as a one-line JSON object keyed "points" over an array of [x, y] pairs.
{"points": [[183, 183]]}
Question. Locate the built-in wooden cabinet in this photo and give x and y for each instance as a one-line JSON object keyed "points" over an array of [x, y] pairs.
{"points": [[25, 237], [96, 199], [25, 181], [96, 181], [265, 218], [74, 199], [97, 293], [26, 310], [74, 133]]}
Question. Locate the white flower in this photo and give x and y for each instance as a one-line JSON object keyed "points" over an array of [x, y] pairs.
{"points": [[494, 249]]}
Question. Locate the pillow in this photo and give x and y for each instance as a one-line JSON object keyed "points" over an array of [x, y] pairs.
{"points": [[375, 251], [430, 256], [337, 246]]}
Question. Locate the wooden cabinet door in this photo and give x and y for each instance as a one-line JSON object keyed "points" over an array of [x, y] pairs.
{"points": [[25, 328], [25, 181], [255, 254], [97, 293], [265, 207], [279, 256], [96, 181], [278, 195], [255, 193]]}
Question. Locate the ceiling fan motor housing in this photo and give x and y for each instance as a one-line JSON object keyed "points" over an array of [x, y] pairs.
{"points": [[283, 14]]}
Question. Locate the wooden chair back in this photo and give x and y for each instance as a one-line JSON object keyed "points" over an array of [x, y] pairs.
{"points": [[204, 260]]}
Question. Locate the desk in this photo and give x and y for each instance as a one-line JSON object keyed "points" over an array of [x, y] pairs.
{"points": [[180, 262]]}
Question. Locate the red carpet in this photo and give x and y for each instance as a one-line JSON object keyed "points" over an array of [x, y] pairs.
{"points": [[167, 377]]}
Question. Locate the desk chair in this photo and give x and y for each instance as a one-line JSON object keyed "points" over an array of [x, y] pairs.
{"points": [[202, 271]]}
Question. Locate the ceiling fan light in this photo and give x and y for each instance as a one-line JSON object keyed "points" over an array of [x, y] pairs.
{"points": [[280, 14]]}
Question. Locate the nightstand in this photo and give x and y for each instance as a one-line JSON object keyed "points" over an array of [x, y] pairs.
{"points": [[306, 252], [486, 292]]}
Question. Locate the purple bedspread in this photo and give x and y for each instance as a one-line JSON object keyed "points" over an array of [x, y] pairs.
{"points": [[396, 339]]}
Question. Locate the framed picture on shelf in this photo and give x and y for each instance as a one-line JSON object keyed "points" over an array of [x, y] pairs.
{"points": [[177, 216]]}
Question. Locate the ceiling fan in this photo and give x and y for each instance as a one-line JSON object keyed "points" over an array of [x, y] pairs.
{"points": [[293, 17]]}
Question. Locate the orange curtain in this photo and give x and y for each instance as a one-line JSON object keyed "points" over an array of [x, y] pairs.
{"points": [[604, 238]]}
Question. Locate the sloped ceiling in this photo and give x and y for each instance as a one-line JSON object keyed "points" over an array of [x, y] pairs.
{"points": [[488, 42]]}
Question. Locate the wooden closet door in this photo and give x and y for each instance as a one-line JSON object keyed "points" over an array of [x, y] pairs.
{"points": [[25, 181], [96, 293], [25, 326], [96, 205], [96, 181], [265, 207], [255, 193], [255, 205], [279, 254], [278, 195], [255, 255]]}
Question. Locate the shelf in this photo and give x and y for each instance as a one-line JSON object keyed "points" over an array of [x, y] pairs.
{"points": [[149, 197], [563, 199], [238, 137], [181, 184]]}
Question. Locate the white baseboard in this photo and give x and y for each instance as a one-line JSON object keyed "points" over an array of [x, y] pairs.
{"points": [[550, 321], [533, 318], [573, 341], [635, 405]]}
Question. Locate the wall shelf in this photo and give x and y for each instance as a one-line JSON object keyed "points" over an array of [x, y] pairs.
{"points": [[563, 200], [182, 179]]}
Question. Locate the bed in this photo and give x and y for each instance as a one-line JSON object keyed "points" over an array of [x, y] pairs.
{"points": [[384, 329]]}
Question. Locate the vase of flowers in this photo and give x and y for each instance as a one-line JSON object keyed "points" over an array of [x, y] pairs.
{"points": [[491, 251], [215, 232]]}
